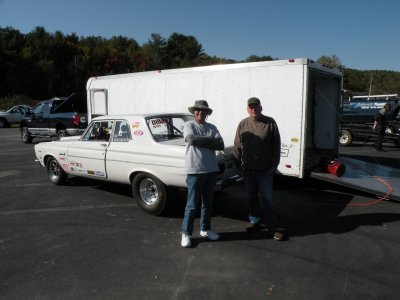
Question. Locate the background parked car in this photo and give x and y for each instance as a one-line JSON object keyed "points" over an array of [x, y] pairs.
{"points": [[13, 115]]}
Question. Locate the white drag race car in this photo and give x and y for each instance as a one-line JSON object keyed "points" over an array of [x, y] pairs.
{"points": [[146, 151]]}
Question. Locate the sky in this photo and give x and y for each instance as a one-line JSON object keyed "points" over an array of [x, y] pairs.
{"points": [[364, 34]]}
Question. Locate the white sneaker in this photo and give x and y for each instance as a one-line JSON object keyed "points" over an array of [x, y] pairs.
{"points": [[211, 235], [186, 242]]}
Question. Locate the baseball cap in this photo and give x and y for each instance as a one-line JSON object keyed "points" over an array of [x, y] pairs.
{"points": [[253, 101]]}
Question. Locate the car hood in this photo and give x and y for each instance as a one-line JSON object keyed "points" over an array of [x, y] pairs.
{"points": [[70, 138]]}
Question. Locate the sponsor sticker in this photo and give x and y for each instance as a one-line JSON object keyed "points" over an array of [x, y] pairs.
{"points": [[89, 172], [138, 132], [135, 124], [100, 174], [284, 152]]}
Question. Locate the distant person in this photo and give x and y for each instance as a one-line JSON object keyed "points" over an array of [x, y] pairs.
{"points": [[257, 149], [202, 139], [382, 119]]}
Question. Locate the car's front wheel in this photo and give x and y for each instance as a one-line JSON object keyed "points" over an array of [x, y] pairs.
{"points": [[25, 135], [55, 172], [345, 138], [389, 130], [149, 193]]}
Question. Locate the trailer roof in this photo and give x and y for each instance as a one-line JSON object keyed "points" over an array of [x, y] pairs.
{"points": [[282, 62]]}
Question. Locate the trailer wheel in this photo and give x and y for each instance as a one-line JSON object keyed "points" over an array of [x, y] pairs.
{"points": [[55, 172], [61, 133], [149, 193], [345, 138], [25, 135]]}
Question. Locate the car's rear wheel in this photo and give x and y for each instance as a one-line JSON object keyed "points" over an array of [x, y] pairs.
{"points": [[345, 138], [4, 123], [25, 135], [55, 172], [62, 133], [149, 193]]}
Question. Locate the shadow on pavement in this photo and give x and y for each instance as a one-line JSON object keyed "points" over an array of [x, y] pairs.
{"points": [[305, 207]]}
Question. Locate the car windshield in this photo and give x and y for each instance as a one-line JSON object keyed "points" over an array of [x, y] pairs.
{"points": [[167, 127]]}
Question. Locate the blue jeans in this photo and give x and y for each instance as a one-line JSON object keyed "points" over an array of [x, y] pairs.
{"points": [[260, 181], [200, 187]]}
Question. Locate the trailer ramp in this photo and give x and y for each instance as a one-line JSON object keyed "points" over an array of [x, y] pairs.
{"points": [[373, 178]]}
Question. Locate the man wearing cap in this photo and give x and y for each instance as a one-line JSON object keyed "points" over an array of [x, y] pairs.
{"points": [[257, 149], [382, 119], [202, 139]]}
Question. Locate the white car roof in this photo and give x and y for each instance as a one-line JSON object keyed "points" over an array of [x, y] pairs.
{"points": [[137, 116]]}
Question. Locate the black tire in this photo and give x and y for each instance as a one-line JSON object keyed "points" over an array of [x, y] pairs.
{"points": [[4, 123], [61, 133], [26, 136], [55, 172], [345, 138], [149, 193]]}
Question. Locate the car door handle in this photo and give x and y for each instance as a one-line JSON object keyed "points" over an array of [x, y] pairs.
{"points": [[103, 145]]}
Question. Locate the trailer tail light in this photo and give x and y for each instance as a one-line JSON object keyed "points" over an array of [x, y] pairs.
{"points": [[75, 120], [291, 60]]}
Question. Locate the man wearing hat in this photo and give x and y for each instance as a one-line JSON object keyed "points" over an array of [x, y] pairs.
{"points": [[257, 149], [202, 139]]}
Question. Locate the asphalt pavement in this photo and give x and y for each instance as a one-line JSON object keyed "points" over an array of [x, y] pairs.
{"points": [[89, 240]]}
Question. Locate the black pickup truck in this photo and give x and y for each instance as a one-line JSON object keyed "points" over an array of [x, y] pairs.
{"points": [[358, 119], [57, 117]]}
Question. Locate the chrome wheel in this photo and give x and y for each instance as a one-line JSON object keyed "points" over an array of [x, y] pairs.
{"points": [[149, 193], [55, 172]]}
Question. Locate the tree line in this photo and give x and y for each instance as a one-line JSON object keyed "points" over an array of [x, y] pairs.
{"points": [[40, 65]]}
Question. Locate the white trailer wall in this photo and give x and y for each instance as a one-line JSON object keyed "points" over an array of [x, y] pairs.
{"points": [[290, 92]]}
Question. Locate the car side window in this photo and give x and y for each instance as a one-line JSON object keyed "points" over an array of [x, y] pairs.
{"points": [[99, 131], [16, 110], [38, 108], [122, 132]]}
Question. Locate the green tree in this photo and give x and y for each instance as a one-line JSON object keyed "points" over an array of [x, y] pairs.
{"points": [[183, 51], [155, 52], [330, 61], [254, 58]]}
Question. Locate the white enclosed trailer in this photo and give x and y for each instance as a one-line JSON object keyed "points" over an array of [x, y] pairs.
{"points": [[301, 95]]}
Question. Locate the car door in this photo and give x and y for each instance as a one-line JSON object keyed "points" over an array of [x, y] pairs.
{"points": [[86, 157], [38, 124], [15, 114]]}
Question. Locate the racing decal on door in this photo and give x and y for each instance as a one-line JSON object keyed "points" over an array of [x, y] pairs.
{"points": [[96, 173], [135, 124], [138, 132], [76, 168]]}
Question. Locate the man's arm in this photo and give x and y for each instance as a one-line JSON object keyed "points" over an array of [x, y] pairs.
{"points": [[277, 148], [237, 151], [206, 142]]}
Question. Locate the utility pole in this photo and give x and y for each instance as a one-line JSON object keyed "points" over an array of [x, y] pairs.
{"points": [[370, 85]]}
